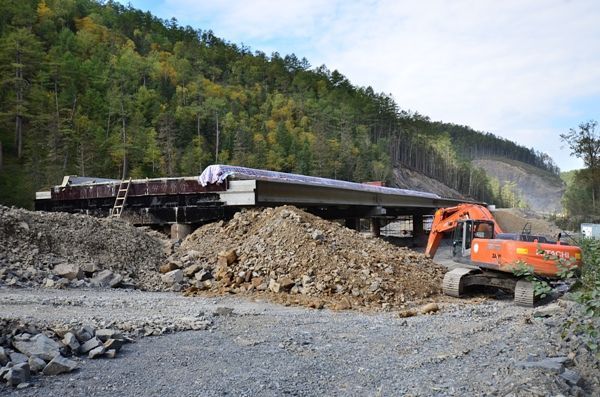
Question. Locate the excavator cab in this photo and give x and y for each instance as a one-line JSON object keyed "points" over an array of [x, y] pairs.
{"points": [[464, 233]]}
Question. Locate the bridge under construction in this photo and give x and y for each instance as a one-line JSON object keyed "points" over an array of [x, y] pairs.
{"points": [[182, 203]]}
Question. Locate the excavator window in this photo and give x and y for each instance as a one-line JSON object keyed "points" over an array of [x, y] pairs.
{"points": [[484, 230], [461, 239], [464, 233], [468, 234]]}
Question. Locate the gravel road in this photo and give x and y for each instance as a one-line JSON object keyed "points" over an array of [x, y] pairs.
{"points": [[469, 348]]}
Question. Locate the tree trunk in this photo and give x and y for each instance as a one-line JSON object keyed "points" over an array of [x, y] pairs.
{"points": [[124, 136], [57, 116], [217, 144], [19, 95], [108, 124], [198, 124]]}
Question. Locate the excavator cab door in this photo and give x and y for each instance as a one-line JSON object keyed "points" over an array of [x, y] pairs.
{"points": [[461, 240], [464, 233]]}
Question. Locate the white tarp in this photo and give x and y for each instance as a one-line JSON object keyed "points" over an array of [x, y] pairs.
{"points": [[216, 174]]}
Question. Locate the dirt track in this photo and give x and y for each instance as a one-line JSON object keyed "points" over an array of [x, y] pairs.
{"points": [[265, 349]]}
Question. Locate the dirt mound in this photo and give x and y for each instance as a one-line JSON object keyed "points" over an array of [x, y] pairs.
{"points": [[59, 249], [513, 220], [301, 258]]}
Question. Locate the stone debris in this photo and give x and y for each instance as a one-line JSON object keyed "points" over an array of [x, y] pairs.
{"points": [[70, 340], [105, 334], [40, 346], [429, 308], [59, 365], [548, 310], [68, 271], [26, 350], [4, 359], [85, 333], [113, 344], [97, 352], [52, 349], [223, 311], [36, 364], [90, 345], [17, 358], [298, 258], [17, 374], [555, 364], [173, 277], [572, 377], [61, 250]]}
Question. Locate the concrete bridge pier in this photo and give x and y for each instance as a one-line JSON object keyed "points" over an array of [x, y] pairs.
{"points": [[179, 231], [376, 227]]}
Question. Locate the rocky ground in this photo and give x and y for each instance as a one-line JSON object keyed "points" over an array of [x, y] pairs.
{"points": [[72, 303], [478, 346]]}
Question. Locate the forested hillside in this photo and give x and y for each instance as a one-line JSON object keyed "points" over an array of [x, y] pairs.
{"points": [[107, 90]]}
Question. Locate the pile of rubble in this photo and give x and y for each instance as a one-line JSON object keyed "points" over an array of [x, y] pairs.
{"points": [[300, 258], [66, 250], [26, 351]]}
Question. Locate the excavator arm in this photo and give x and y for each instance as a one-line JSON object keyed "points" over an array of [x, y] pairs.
{"points": [[446, 219]]}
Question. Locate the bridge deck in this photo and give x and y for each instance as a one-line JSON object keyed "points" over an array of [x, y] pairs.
{"points": [[221, 191]]}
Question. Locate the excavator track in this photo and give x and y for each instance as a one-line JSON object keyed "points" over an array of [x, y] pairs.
{"points": [[524, 293], [453, 281]]}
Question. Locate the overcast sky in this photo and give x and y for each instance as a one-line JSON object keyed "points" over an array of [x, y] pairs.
{"points": [[524, 70]]}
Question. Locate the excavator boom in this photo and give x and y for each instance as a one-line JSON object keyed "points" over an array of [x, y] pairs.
{"points": [[446, 219]]}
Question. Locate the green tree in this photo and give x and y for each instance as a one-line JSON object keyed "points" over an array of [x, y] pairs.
{"points": [[584, 143], [20, 53]]}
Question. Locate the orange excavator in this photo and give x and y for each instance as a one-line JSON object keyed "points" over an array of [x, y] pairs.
{"points": [[491, 256]]}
